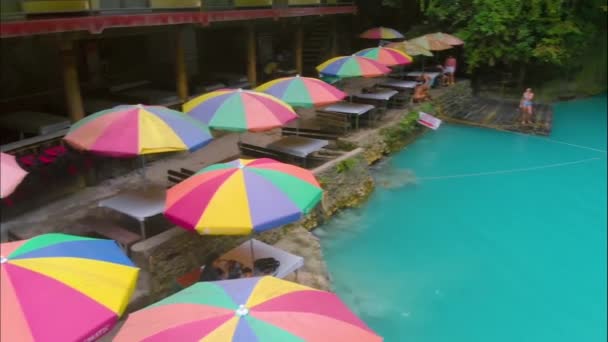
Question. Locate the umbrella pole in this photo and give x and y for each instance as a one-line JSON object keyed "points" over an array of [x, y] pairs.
{"points": [[252, 253], [143, 171]]}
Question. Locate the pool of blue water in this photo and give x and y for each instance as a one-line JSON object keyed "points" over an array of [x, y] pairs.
{"points": [[478, 235]]}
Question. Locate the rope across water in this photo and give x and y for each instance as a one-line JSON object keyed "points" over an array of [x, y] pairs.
{"points": [[489, 173]]}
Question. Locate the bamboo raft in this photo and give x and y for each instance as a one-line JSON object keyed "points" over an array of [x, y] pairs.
{"points": [[503, 115]]}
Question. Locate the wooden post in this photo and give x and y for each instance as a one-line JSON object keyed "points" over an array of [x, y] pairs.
{"points": [[299, 42], [181, 73], [70, 81], [251, 56], [93, 63], [334, 38]]}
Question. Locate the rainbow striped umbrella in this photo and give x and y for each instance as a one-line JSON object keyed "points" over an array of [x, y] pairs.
{"points": [[381, 33], [247, 310], [352, 66], [58, 287], [303, 91], [129, 131], [430, 43], [12, 174], [386, 56], [410, 48], [242, 197], [239, 110], [446, 38]]}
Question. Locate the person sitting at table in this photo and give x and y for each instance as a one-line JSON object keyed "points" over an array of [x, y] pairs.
{"points": [[421, 93], [445, 77], [234, 269], [213, 270], [247, 273], [425, 80]]}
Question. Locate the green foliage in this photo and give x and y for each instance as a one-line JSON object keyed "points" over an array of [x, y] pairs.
{"points": [[346, 165], [345, 145], [395, 136], [499, 32]]}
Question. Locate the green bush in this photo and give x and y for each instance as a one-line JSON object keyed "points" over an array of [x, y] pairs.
{"points": [[346, 165]]}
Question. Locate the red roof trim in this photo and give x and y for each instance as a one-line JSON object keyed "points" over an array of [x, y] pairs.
{"points": [[96, 24]]}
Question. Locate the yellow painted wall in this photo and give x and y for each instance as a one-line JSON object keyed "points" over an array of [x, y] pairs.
{"points": [[175, 3], [252, 3], [51, 6], [303, 2]]}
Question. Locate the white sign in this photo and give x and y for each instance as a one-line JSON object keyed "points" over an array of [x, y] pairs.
{"points": [[428, 120]]}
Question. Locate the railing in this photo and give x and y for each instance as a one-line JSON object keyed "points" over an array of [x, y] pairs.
{"points": [[20, 8]]}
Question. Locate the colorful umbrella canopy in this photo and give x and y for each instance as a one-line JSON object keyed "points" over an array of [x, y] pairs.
{"points": [[303, 91], [11, 174], [431, 43], [240, 110], [247, 310], [446, 38], [410, 48], [386, 56], [352, 66], [381, 33], [242, 196], [129, 131], [58, 287]]}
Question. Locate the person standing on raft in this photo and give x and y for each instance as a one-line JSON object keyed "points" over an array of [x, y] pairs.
{"points": [[526, 106]]}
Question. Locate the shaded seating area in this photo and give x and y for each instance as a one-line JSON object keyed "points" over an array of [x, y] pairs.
{"points": [[144, 92], [348, 114], [137, 204], [287, 263]]}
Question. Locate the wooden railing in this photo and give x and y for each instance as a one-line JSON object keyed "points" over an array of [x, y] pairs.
{"points": [[20, 8]]}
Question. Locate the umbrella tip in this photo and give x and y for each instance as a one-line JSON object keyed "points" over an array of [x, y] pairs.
{"points": [[297, 75], [3, 260], [242, 311], [240, 90]]}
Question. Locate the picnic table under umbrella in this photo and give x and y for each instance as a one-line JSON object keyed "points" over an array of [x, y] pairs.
{"points": [[58, 287], [12, 174], [352, 66], [303, 91], [410, 48], [381, 33], [446, 38], [247, 310], [242, 196], [136, 130], [386, 56], [239, 110], [431, 43]]}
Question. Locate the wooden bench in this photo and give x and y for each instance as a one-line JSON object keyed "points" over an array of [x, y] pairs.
{"points": [[123, 237], [262, 152], [175, 177], [400, 101], [309, 133], [337, 121]]}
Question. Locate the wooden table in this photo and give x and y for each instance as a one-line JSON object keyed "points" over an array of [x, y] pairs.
{"points": [[34, 122], [138, 204], [298, 146], [381, 95], [432, 75], [350, 109], [399, 85]]}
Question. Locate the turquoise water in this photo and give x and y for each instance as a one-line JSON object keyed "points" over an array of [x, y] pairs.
{"points": [[482, 255]]}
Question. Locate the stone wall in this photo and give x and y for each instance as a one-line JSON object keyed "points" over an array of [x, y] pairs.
{"points": [[454, 100]]}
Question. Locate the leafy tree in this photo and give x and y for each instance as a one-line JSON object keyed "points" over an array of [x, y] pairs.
{"points": [[510, 32], [519, 34]]}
